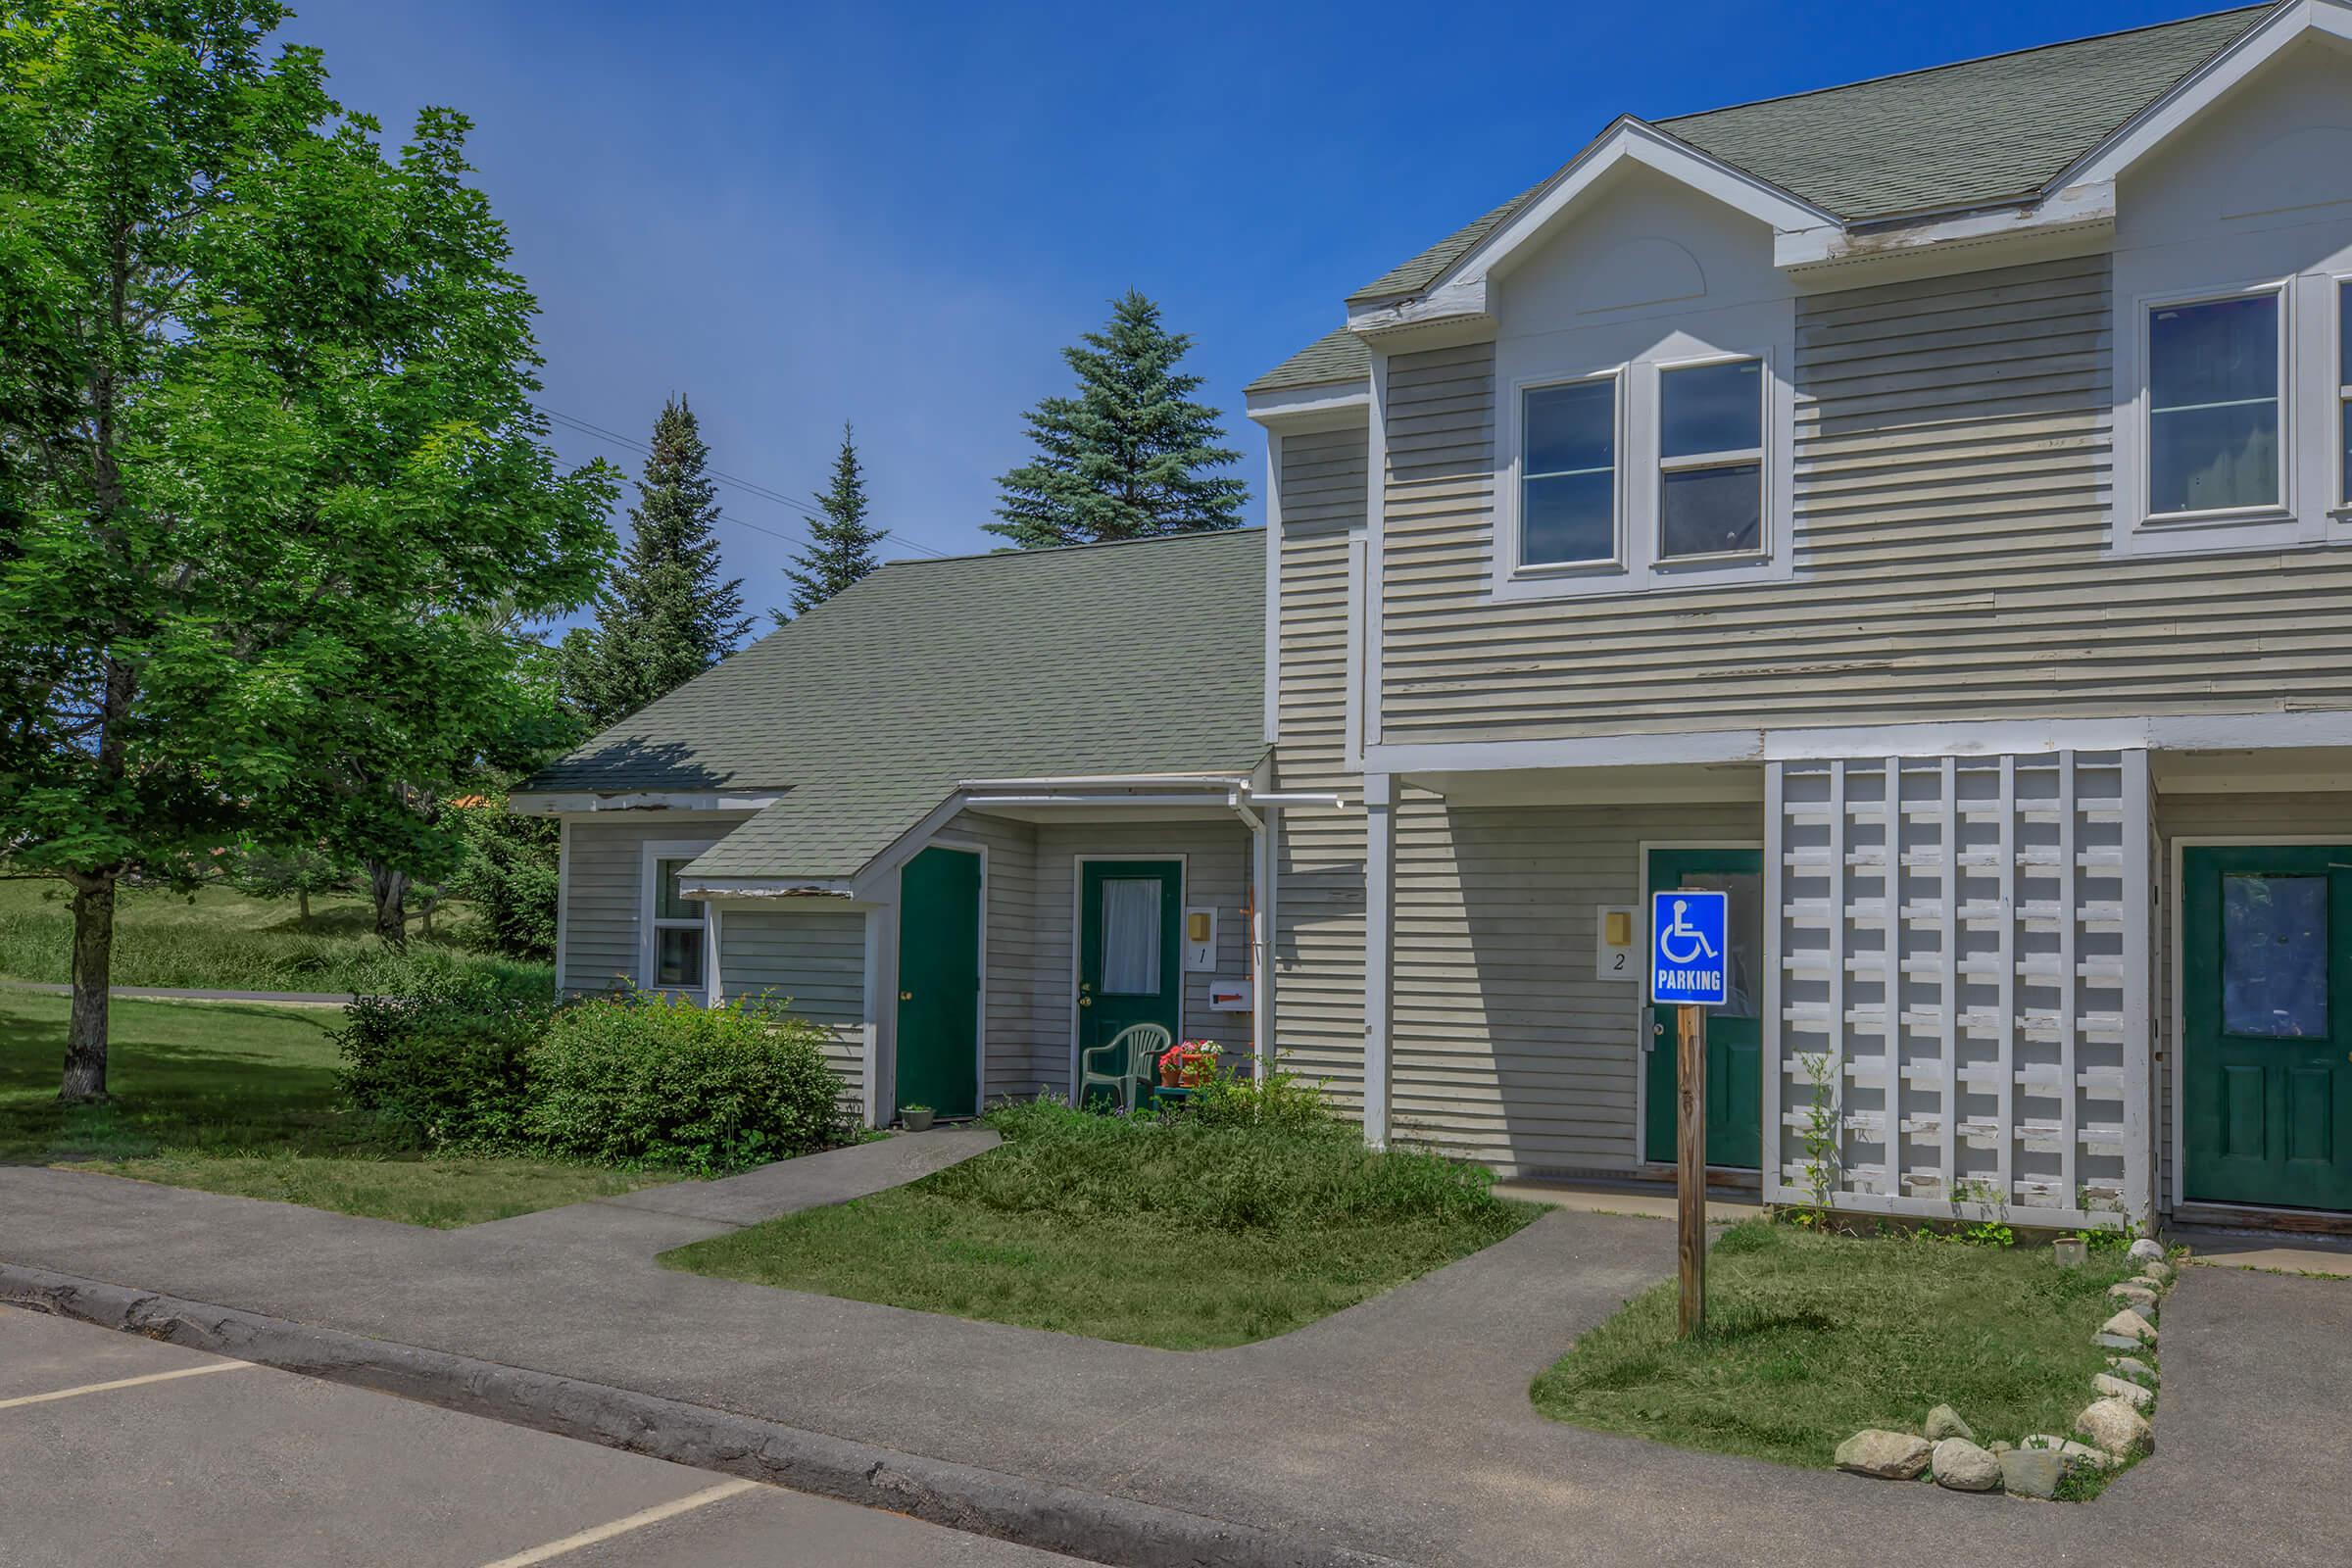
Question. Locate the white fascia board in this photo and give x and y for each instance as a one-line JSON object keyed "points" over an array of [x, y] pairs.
{"points": [[1333, 406], [1001, 786], [763, 888], [2085, 209], [2024, 737], [584, 802], [2144, 131], [1461, 290]]}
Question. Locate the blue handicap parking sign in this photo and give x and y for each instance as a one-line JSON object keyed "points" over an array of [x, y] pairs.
{"points": [[1688, 958]]}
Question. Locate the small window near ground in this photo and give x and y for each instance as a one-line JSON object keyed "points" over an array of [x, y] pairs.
{"points": [[1568, 486], [1711, 460], [2214, 406], [1130, 936], [678, 936], [2274, 955]]}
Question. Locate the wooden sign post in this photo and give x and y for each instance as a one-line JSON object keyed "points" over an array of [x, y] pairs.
{"points": [[1690, 1167]]}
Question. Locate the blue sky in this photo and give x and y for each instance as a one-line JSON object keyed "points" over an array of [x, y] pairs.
{"points": [[899, 214]]}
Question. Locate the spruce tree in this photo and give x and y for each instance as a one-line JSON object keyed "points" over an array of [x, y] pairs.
{"points": [[841, 542], [664, 616], [1129, 457]]}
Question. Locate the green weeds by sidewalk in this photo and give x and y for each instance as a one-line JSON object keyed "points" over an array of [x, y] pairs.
{"points": [[1184, 1235], [242, 1099], [1812, 1338]]}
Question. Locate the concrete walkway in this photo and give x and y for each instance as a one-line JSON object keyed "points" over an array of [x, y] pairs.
{"points": [[282, 998], [1399, 1427]]}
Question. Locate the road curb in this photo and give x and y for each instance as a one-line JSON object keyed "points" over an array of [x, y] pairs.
{"points": [[967, 1497]]}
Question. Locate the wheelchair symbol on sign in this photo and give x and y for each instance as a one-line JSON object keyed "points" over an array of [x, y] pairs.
{"points": [[1698, 943]]}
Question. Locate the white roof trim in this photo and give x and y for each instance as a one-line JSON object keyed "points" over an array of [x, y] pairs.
{"points": [[1331, 405], [1461, 288], [552, 803], [2144, 131]]}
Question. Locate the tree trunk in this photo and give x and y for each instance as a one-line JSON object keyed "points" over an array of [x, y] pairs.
{"points": [[93, 967], [390, 889], [301, 903]]}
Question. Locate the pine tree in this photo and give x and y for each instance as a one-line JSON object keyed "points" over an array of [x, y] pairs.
{"points": [[841, 542], [664, 616], [1128, 458]]}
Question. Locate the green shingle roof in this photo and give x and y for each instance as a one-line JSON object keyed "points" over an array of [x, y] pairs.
{"points": [[1978, 134], [1143, 658]]}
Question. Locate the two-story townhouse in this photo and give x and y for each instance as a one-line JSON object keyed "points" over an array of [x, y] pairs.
{"points": [[1922, 508]]}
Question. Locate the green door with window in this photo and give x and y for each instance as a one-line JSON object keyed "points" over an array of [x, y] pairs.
{"points": [[939, 982], [2266, 1025], [1130, 958], [1735, 1033]]}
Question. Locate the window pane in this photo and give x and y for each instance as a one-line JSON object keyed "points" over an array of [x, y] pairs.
{"points": [[1571, 429], [1711, 408], [2274, 955], [1130, 936], [668, 905], [1705, 512], [2212, 404], [679, 956], [1743, 973], [1572, 517]]}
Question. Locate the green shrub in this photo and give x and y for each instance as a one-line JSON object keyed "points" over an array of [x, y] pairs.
{"points": [[675, 1083], [445, 1055], [1282, 1099]]}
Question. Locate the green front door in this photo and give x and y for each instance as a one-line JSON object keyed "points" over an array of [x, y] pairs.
{"points": [[939, 982], [2266, 1025], [1735, 1033], [1130, 958]]}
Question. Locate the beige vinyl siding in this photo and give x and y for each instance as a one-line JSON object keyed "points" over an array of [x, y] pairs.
{"points": [[603, 885], [2211, 816], [1507, 1046], [1953, 472], [1319, 875], [806, 962]]}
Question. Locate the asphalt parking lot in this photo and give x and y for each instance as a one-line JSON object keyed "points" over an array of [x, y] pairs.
{"points": [[122, 1451]]}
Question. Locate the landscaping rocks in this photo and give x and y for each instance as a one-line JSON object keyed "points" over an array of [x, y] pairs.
{"points": [[2116, 1427], [2117, 1341], [2132, 1393], [2130, 1325], [1944, 1422], [2159, 1273], [1962, 1466], [1887, 1456], [1999, 1446], [2132, 1367], [2145, 1250], [2033, 1472], [2083, 1454], [2132, 1293]]}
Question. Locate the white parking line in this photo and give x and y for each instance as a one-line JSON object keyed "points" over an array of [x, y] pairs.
{"points": [[125, 1383], [621, 1527]]}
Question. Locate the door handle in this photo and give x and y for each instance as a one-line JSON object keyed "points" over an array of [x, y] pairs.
{"points": [[906, 996], [1086, 1001]]}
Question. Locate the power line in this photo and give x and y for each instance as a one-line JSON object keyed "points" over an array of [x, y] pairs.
{"points": [[748, 486]]}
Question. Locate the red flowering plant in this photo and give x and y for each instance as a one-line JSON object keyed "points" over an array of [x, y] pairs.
{"points": [[1189, 1063]]}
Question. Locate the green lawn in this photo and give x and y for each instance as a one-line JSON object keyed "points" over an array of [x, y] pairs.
{"points": [[235, 1098], [221, 939], [1812, 1338], [1162, 1235]]}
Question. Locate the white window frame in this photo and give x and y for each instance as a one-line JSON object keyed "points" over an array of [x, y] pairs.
{"points": [[1643, 350], [1697, 461], [2339, 493], [649, 859], [1617, 375], [2282, 510]]}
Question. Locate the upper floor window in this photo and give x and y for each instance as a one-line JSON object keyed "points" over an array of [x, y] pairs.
{"points": [[1711, 460], [1568, 483], [2215, 397]]}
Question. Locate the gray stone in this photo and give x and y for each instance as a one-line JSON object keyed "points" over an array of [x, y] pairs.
{"points": [[2081, 1454], [2130, 1325], [1944, 1422], [2134, 1294], [1962, 1466], [2033, 1472], [2132, 1367], [2113, 1426], [2159, 1273], [2001, 1445], [2132, 1393], [2145, 1250], [2116, 1341], [1888, 1455]]}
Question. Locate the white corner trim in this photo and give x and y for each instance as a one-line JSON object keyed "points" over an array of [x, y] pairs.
{"points": [[2144, 131], [1333, 406], [563, 896], [1273, 631], [1461, 290], [1367, 610]]}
